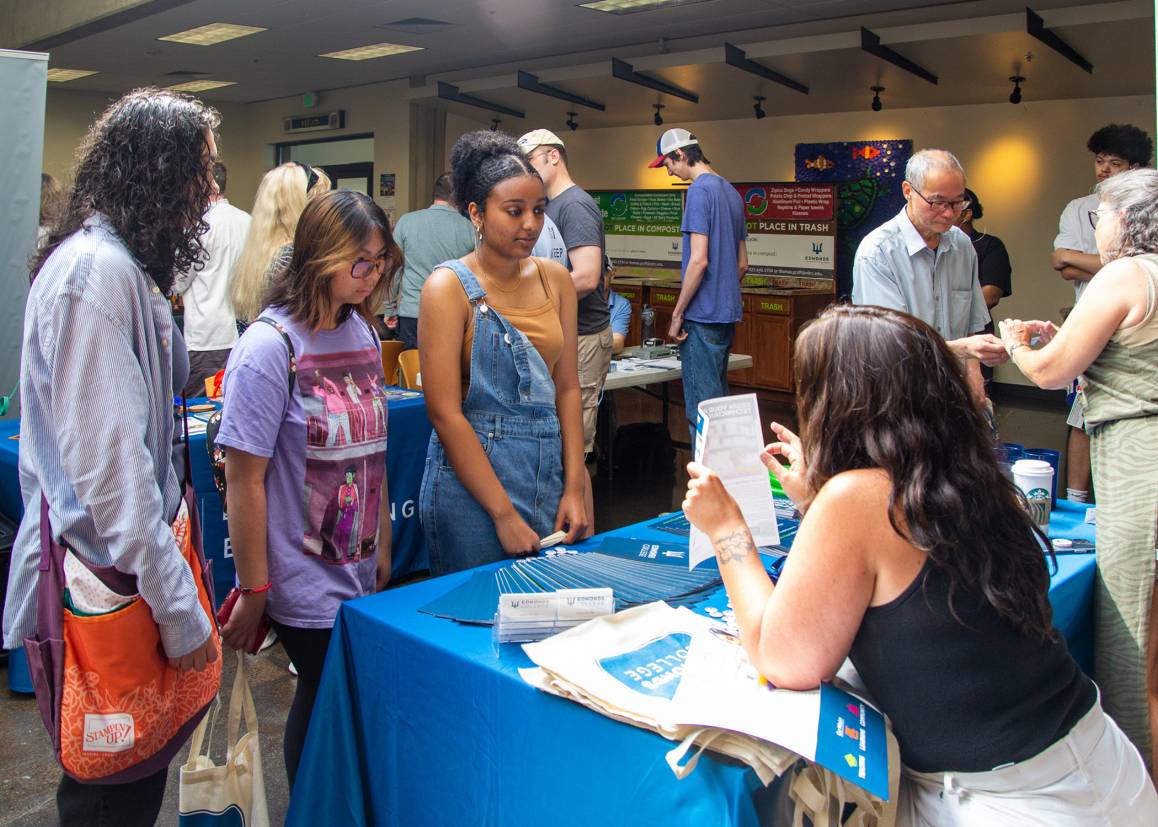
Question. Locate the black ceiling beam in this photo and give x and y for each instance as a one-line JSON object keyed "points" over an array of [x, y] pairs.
{"points": [[871, 43], [625, 71], [735, 56], [449, 92], [531, 83], [1035, 26]]}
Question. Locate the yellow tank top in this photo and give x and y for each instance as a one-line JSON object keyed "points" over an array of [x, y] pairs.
{"points": [[540, 324]]}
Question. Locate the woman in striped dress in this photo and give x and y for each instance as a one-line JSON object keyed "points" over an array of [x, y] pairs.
{"points": [[1110, 342]]}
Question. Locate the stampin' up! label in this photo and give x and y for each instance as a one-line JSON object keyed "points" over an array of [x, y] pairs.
{"points": [[109, 733]]}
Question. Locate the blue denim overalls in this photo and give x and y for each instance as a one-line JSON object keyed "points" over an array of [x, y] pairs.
{"points": [[511, 406]]}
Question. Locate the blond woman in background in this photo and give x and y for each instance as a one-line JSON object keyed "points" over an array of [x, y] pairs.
{"points": [[281, 197]]}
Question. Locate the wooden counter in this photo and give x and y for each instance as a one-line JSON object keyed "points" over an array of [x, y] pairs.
{"points": [[772, 318]]}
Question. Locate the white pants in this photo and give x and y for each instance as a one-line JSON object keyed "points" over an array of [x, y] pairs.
{"points": [[1093, 776]]}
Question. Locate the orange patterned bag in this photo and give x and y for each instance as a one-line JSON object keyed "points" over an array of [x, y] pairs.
{"points": [[115, 708]]}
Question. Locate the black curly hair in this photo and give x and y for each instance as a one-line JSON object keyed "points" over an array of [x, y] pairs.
{"points": [[479, 161], [1124, 140], [143, 166]]}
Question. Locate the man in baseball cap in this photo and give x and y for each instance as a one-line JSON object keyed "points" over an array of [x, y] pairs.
{"points": [[668, 143], [580, 222], [715, 259]]}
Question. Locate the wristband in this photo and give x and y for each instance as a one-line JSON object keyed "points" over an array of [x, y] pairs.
{"points": [[256, 590]]}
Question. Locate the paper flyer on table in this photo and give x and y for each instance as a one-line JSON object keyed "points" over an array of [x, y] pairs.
{"points": [[829, 726], [729, 441]]}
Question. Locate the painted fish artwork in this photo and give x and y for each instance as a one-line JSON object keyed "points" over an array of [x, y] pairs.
{"points": [[869, 176]]}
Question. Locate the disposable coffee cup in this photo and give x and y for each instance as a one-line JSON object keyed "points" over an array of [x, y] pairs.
{"points": [[1035, 478]]}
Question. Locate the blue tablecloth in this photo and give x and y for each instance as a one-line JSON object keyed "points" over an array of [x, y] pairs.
{"points": [[409, 432], [421, 720]]}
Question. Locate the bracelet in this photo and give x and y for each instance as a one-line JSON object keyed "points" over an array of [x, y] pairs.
{"points": [[256, 590], [1014, 347]]}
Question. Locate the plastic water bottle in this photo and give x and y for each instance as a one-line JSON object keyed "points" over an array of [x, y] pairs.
{"points": [[646, 324]]}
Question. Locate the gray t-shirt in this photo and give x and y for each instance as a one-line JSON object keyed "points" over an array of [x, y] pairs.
{"points": [[581, 223], [428, 237]]}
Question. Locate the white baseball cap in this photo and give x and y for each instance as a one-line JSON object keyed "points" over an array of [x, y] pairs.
{"points": [[669, 142], [537, 138]]}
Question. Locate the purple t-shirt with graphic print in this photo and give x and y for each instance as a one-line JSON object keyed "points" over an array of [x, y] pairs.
{"points": [[327, 458]]}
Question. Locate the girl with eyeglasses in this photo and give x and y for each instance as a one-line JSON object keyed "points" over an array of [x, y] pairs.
{"points": [[305, 462]]}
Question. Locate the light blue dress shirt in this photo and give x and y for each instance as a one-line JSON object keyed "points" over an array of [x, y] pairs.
{"points": [[96, 433], [895, 268]]}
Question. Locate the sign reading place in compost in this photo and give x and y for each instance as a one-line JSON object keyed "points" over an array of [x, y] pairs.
{"points": [[642, 227], [791, 233]]}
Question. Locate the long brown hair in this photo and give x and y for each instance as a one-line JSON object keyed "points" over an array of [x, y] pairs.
{"points": [[142, 165], [331, 229], [877, 388]]}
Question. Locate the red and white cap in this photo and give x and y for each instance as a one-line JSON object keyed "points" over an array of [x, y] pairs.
{"points": [[669, 142]]}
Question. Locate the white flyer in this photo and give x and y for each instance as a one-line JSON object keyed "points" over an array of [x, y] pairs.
{"points": [[729, 441]]}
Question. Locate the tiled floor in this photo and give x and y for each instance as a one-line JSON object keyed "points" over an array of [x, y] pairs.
{"points": [[28, 773]]}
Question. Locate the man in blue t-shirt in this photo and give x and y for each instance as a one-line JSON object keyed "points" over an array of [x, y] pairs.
{"points": [[715, 259]]}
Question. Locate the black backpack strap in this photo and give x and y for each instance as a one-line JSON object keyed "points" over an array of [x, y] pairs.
{"points": [[293, 360]]}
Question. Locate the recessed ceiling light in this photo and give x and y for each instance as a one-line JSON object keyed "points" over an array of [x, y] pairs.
{"points": [[200, 85], [368, 52], [633, 6], [65, 75], [212, 33]]}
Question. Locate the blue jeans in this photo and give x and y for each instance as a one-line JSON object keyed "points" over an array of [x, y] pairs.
{"points": [[704, 357]]}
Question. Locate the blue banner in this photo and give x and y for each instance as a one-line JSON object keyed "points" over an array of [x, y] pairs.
{"points": [[850, 741]]}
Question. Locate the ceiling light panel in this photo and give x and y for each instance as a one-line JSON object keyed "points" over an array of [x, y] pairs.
{"points": [[65, 75], [212, 33], [370, 52], [201, 85], [634, 6]]}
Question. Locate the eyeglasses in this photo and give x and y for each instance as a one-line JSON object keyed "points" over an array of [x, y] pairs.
{"points": [[542, 156], [1093, 215], [363, 267], [959, 205]]}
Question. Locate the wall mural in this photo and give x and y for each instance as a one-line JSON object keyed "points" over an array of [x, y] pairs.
{"points": [[869, 176]]}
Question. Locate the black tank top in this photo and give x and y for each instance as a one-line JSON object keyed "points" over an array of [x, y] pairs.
{"points": [[965, 697]]}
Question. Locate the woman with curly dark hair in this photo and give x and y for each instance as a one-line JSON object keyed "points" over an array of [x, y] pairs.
{"points": [[1110, 344], [101, 362], [916, 560]]}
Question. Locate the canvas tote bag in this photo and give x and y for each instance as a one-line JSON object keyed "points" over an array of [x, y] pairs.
{"points": [[234, 792]]}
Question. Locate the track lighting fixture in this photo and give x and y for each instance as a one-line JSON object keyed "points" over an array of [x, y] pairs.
{"points": [[877, 105], [1015, 95], [658, 119], [495, 124], [571, 122], [758, 106]]}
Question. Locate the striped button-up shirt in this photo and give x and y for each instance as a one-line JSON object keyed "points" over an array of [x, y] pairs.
{"points": [[96, 433]]}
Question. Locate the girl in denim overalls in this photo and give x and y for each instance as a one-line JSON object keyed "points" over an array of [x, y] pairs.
{"points": [[505, 461]]}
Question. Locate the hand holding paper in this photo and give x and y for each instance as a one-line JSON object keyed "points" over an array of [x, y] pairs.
{"points": [[729, 441]]}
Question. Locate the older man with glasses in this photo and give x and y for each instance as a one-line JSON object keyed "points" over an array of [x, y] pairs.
{"points": [[921, 263]]}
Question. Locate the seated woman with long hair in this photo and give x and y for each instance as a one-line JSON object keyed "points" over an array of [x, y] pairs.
{"points": [[281, 197], [916, 560]]}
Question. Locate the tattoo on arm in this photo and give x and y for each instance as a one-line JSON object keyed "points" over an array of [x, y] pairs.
{"points": [[736, 545]]}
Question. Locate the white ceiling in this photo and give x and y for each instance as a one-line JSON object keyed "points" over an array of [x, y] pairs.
{"points": [[972, 46]]}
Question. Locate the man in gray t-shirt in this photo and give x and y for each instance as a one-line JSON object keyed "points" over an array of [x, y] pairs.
{"points": [[581, 223], [427, 237]]}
